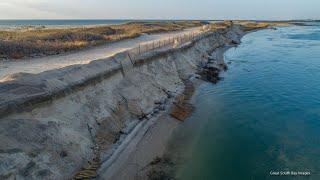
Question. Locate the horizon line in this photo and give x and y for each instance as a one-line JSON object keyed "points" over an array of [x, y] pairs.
{"points": [[154, 19]]}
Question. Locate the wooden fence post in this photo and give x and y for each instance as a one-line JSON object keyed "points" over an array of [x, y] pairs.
{"points": [[139, 49]]}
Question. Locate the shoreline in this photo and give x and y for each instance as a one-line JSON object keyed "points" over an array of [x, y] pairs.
{"points": [[148, 150]]}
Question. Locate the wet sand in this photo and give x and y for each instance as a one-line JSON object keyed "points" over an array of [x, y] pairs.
{"points": [[150, 142]]}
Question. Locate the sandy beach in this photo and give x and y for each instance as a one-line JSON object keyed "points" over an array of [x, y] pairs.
{"points": [[150, 142]]}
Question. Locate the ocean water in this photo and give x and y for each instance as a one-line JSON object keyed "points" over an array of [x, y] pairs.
{"points": [[263, 118], [70, 22]]}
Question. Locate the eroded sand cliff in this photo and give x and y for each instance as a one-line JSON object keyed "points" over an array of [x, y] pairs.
{"points": [[54, 122]]}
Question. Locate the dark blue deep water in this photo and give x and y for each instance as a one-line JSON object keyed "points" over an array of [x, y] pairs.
{"points": [[264, 117]]}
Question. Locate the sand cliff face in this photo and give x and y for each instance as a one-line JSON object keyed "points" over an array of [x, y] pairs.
{"points": [[53, 123]]}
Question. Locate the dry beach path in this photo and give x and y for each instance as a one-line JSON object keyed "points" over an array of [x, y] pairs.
{"points": [[37, 65]]}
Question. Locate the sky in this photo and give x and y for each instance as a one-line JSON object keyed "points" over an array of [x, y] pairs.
{"points": [[160, 9]]}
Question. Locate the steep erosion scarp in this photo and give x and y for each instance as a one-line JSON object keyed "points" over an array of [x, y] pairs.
{"points": [[54, 122]]}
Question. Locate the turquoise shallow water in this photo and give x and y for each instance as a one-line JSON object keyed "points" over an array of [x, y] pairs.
{"points": [[263, 117]]}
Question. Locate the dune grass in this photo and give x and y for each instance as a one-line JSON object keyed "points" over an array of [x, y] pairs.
{"points": [[245, 25], [34, 42], [253, 25], [249, 26]]}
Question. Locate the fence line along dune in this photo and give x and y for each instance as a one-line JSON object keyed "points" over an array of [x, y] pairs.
{"points": [[34, 42]]}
